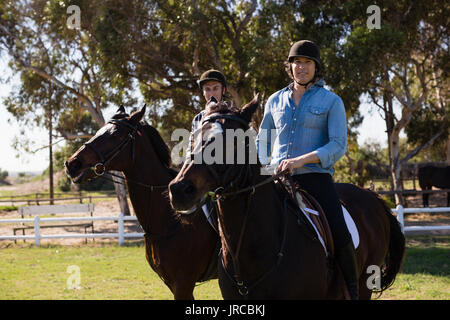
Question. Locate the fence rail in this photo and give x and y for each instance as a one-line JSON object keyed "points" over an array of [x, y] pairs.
{"points": [[121, 235], [400, 211], [411, 192], [36, 199]]}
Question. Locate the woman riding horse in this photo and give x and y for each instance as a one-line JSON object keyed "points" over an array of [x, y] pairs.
{"points": [[311, 133], [269, 251]]}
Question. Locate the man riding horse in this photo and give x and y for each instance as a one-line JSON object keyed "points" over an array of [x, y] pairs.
{"points": [[310, 130], [213, 85]]}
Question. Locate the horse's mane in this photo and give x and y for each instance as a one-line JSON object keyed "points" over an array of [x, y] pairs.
{"points": [[161, 149], [220, 107]]}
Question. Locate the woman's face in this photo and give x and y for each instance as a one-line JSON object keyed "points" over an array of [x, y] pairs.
{"points": [[213, 89], [303, 69]]}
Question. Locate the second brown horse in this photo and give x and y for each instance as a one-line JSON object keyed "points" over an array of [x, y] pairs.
{"points": [[179, 249]]}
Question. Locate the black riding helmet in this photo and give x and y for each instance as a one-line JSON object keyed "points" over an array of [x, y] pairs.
{"points": [[306, 49], [212, 75]]}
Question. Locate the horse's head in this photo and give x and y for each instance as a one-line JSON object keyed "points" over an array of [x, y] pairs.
{"points": [[109, 149], [222, 148]]}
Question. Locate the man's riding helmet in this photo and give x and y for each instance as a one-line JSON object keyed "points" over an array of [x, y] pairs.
{"points": [[212, 75], [305, 49]]}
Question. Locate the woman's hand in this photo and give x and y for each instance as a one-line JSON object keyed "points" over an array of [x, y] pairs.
{"points": [[298, 162], [290, 164]]}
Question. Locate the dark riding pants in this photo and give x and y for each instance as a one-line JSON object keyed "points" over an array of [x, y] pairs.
{"points": [[321, 187]]}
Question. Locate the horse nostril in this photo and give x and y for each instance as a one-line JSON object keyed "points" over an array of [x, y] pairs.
{"points": [[189, 189], [182, 188]]}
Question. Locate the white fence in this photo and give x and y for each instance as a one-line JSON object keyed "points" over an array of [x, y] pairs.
{"points": [[400, 217], [37, 233], [122, 235]]}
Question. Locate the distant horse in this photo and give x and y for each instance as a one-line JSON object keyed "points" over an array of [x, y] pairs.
{"points": [[267, 252], [178, 248], [433, 176]]}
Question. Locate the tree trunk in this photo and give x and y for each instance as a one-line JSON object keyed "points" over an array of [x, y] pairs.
{"points": [[389, 119], [50, 148], [447, 148], [121, 193], [396, 167]]}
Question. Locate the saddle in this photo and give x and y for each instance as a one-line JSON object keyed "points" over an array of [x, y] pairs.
{"points": [[313, 213]]}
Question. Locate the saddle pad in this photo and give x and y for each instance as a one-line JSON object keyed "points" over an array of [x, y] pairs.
{"points": [[351, 226], [347, 217]]}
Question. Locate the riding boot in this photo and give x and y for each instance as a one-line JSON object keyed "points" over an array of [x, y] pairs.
{"points": [[346, 258]]}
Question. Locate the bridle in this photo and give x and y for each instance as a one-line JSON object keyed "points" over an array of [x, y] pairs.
{"points": [[224, 191], [99, 168]]}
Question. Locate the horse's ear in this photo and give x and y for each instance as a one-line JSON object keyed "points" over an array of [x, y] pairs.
{"points": [[138, 115], [121, 109], [249, 109]]}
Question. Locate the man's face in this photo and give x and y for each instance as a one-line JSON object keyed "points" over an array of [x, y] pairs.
{"points": [[303, 69], [213, 89]]}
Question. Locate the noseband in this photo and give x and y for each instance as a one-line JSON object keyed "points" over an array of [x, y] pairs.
{"points": [[100, 168]]}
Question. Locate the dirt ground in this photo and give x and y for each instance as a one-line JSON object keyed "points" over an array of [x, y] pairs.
{"points": [[110, 207]]}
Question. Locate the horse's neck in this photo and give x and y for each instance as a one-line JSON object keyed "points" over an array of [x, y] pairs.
{"points": [[263, 219], [152, 207]]}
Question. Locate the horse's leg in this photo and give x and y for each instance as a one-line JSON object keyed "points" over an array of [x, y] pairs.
{"points": [[184, 290], [364, 292], [425, 198]]}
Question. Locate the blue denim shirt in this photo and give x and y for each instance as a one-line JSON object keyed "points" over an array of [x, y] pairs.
{"points": [[318, 124]]}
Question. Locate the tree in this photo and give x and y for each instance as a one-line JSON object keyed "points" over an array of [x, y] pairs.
{"points": [[400, 65], [3, 175], [43, 49]]}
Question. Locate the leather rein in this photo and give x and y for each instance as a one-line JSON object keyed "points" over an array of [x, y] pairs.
{"points": [[223, 192]]}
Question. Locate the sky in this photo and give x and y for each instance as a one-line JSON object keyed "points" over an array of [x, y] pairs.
{"points": [[372, 130]]}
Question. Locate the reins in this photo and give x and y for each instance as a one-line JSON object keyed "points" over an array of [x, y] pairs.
{"points": [[220, 194], [244, 289]]}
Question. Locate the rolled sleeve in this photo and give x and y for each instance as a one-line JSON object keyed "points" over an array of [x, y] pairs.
{"points": [[335, 149]]}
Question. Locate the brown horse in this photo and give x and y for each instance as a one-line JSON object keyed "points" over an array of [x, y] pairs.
{"points": [[433, 176], [267, 253], [179, 249]]}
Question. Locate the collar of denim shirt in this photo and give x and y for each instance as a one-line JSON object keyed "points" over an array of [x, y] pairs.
{"points": [[319, 83]]}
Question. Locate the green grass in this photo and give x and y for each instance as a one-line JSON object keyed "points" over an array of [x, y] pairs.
{"points": [[108, 271], [8, 208], [426, 270]]}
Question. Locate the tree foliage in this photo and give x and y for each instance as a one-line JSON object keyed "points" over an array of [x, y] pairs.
{"points": [[155, 50]]}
